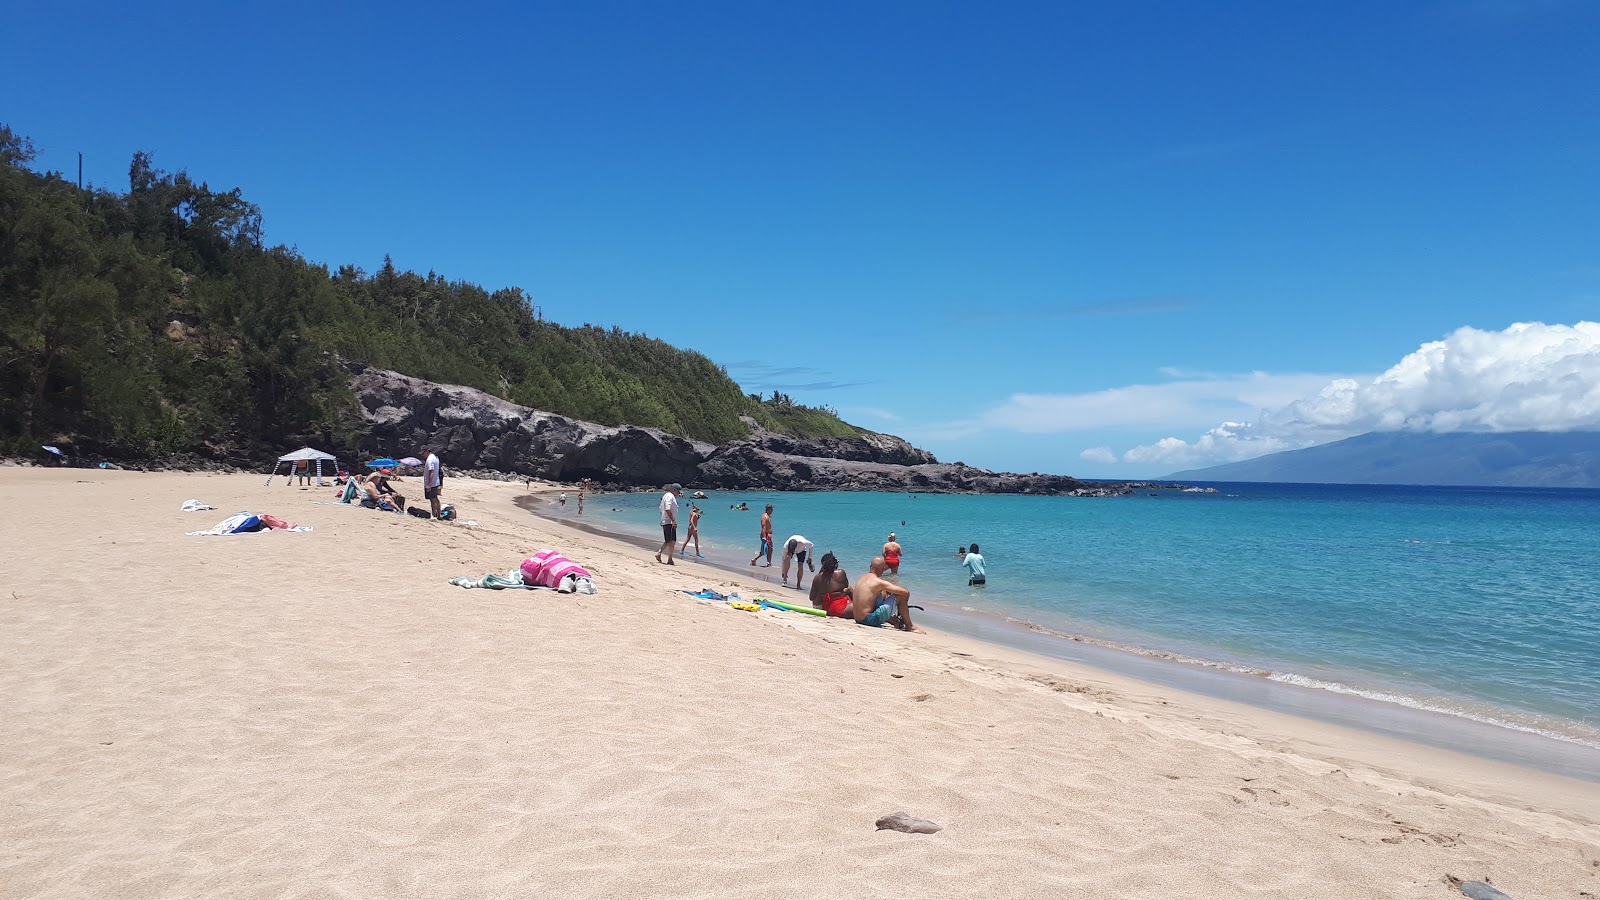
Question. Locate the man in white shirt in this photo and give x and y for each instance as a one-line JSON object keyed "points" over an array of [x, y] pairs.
{"points": [[797, 546], [669, 521], [432, 480]]}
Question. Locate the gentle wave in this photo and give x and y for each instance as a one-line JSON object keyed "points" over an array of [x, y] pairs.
{"points": [[1411, 702], [1304, 681]]}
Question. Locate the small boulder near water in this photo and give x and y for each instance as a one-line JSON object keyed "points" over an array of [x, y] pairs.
{"points": [[903, 822]]}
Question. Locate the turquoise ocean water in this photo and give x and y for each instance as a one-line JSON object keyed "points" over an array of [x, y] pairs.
{"points": [[1474, 604]]}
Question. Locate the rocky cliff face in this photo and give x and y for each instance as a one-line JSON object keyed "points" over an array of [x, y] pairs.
{"points": [[473, 430]]}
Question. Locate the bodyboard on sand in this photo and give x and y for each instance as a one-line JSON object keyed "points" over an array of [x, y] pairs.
{"points": [[793, 607]]}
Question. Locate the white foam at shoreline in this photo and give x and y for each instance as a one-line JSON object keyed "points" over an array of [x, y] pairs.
{"points": [[1414, 703]]}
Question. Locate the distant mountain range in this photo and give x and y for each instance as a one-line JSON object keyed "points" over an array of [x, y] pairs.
{"points": [[1512, 459]]}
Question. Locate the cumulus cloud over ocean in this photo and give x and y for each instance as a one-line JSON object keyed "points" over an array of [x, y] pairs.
{"points": [[1528, 377]]}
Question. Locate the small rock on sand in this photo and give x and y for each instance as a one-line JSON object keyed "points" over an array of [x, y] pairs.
{"points": [[904, 822]]}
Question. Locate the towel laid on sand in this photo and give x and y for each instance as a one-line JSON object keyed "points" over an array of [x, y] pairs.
{"points": [[194, 506], [510, 581], [247, 523]]}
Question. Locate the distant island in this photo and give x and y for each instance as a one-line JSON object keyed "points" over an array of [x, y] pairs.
{"points": [[1511, 459]]}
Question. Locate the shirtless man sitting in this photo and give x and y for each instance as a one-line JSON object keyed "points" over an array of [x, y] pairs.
{"points": [[876, 600], [830, 590]]}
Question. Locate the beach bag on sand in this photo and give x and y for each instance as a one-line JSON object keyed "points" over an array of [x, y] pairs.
{"points": [[419, 512], [447, 512]]}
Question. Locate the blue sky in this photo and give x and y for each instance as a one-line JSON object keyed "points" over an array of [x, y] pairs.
{"points": [[1060, 237]]}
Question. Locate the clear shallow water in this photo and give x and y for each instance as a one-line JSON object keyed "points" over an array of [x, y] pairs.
{"points": [[1482, 604]]}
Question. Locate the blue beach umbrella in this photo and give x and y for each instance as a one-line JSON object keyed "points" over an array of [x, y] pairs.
{"points": [[55, 450], [385, 463]]}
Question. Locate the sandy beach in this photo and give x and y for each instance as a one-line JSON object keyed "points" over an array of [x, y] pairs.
{"points": [[321, 714]]}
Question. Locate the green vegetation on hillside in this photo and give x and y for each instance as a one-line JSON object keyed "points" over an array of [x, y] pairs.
{"points": [[157, 321]]}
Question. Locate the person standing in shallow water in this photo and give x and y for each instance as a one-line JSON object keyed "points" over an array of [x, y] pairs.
{"points": [[766, 539], [973, 562], [891, 554], [694, 532]]}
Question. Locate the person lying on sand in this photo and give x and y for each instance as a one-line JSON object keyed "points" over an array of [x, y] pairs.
{"points": [[876, 601], [830, 590]]}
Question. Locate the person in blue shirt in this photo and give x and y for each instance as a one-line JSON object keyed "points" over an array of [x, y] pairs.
{"points": [[974, 563]]}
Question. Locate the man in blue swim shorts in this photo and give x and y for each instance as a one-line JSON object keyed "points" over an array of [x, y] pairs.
{"points": [[875, 600]]}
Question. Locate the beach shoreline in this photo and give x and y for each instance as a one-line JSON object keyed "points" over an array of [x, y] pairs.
{"points": [[322, 713], [1497, 740]]}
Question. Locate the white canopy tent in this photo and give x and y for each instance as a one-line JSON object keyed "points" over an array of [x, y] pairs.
{"points": [[314, 459]]}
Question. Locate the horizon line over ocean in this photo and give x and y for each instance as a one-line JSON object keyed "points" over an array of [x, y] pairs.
{"points": [[1461, 617]]}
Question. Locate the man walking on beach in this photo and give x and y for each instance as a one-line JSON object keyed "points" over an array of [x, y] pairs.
{"points": [[797, 546], [876, 601], [432, 480], [766, 539], [669, 521]]}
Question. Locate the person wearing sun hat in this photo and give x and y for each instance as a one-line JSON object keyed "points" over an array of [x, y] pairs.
{"points": [[669, 521], [379, 488]]}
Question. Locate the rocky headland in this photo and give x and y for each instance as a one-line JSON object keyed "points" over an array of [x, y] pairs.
{"points": [[473, 430]]}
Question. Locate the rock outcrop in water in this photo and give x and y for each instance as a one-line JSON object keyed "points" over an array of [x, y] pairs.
{"points": [[470, 429]]}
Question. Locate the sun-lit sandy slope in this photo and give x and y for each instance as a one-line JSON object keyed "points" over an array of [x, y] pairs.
{"points": [[322, 715]]}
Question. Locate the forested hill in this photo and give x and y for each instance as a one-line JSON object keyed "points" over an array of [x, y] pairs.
{"points": [[157, 321]]}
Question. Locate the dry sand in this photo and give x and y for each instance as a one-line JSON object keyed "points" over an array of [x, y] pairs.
{"points": [[322, 715]]}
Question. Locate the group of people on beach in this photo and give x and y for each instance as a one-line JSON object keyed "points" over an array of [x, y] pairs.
{"points": [[872, 600], [376, 489], [875, 599]]}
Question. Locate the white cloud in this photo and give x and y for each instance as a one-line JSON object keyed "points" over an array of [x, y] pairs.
{"points": [[875, 412], [1098, 455], [1529, 377], [1194, 402]]}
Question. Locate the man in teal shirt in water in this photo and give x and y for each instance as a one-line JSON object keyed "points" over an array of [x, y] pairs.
{"points": [[974, 563]]}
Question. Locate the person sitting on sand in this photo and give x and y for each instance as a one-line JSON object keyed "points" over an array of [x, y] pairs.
{"points": [[379, 489], [891, 554], [875, 600], [830, 590], [797, 547]]}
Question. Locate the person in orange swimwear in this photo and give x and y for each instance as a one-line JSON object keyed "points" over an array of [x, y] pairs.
{"points": [[830, 590], [891, 555]]}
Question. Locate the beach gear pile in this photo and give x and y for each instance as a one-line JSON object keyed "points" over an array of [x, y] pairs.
{"points": [[249, 523], [545, 570], [754, 604]]}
